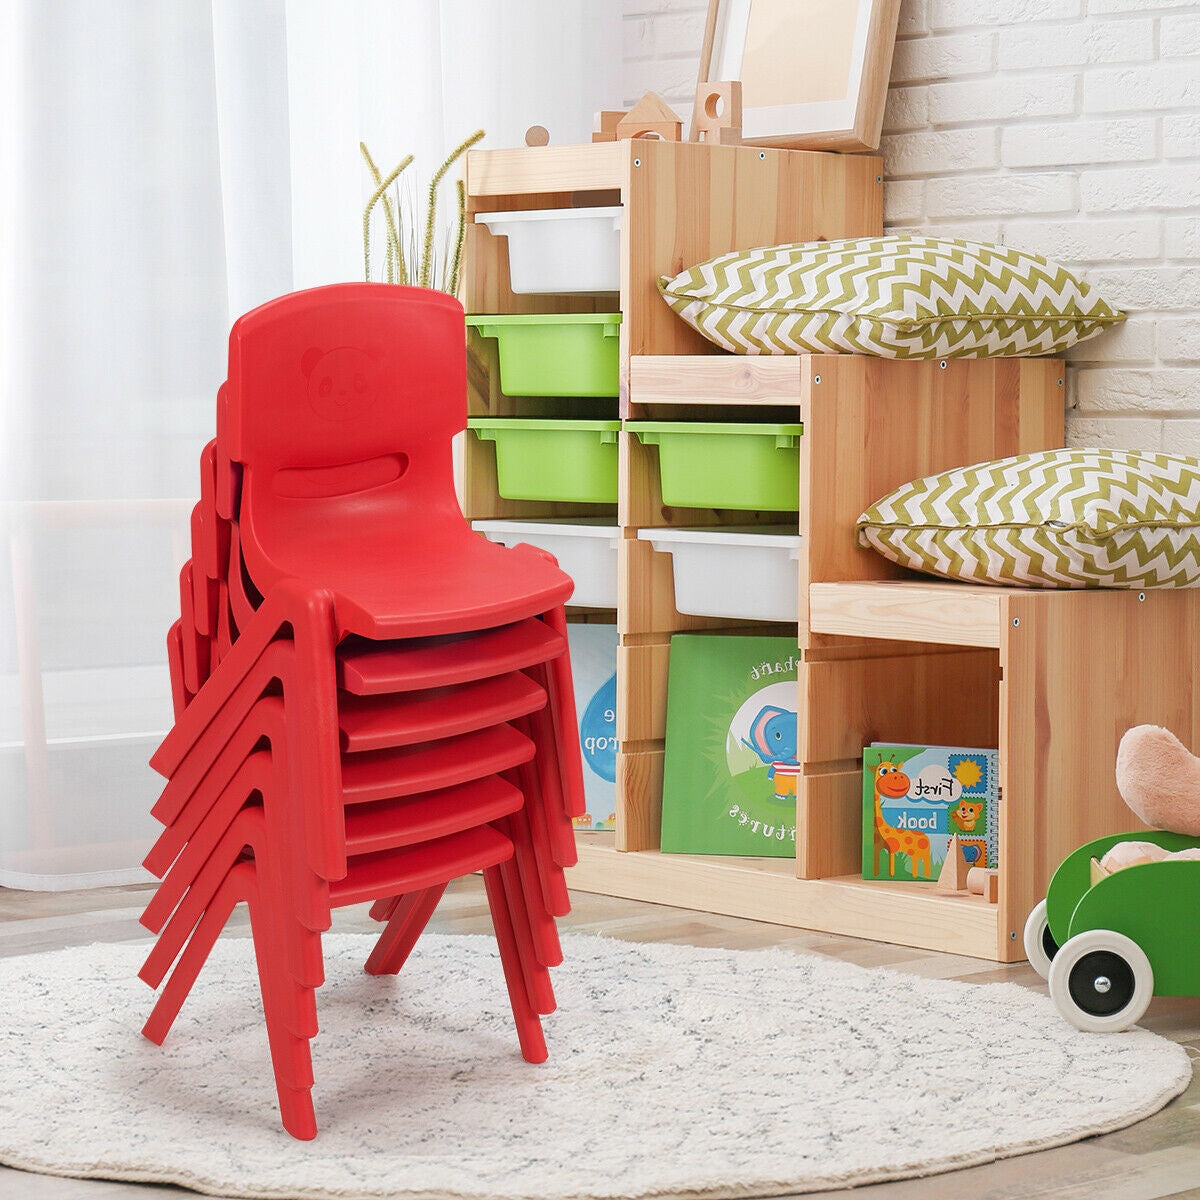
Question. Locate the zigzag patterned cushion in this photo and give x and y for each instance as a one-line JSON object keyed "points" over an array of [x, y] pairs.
{"points": [[1056, 519], [892, 297]]}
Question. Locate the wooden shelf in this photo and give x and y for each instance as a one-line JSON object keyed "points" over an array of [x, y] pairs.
{"points": [[598, 166], [765, 889], [952, 614], [1051, 679], [729, 379]]}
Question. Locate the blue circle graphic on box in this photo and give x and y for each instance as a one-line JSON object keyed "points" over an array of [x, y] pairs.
{"points": [[598, 731]]}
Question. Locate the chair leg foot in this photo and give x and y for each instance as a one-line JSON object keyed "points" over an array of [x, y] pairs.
{"points": [[296, 1111]]}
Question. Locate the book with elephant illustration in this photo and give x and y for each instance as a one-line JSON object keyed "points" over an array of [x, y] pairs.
{"points": [[729, 779], [916, 798]]}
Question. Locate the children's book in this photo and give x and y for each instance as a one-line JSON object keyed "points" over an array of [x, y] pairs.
{"points": [[594, 671], [916, 798], [730, 769]]}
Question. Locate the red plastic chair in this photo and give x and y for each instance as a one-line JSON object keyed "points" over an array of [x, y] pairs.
{"points": [[337, 409], [339, 611]]}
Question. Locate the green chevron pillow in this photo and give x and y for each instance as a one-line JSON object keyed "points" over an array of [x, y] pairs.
{"points": [[1056, 519], [892, 297]]}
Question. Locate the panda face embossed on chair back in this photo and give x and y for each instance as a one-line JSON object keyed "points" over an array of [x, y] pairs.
{"points": [[343, 375]]}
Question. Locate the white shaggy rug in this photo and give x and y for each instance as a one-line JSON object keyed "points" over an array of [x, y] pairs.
{"points": [[673, 1072]]}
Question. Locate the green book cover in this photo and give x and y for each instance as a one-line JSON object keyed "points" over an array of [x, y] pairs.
{"points": [[916, 798], [729, 778]]}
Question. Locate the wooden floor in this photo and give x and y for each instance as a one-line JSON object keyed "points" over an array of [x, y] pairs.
{"points": [[1159, 1157]]}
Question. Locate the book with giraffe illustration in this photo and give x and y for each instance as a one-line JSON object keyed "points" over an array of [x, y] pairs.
{"points": [[916, 798]]}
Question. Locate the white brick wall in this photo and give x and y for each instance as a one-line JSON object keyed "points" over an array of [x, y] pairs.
{"points": [[1067, 127]]}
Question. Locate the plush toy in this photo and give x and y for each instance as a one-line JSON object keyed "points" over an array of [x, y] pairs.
{"points": [[1159, 778]]}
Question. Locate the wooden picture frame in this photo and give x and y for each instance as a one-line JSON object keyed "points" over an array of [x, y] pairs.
{"points": [[814, 73]]}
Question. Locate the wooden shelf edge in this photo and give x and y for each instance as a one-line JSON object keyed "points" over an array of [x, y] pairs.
{"points": [[767, 890], [953, 614], [597, 166], [717, 379]]}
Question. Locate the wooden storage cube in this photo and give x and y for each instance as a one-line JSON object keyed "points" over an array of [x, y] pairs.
{"points": [[932, 698], [1077, 668], [682, 203], [873, 424], [869, 426]]}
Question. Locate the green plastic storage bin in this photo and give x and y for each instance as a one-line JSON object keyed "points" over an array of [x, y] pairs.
{"points": [[717, 465], [539, 459], [556, 354]]}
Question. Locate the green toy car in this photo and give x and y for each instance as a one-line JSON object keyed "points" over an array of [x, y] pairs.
{"points": [[1106, 948]]}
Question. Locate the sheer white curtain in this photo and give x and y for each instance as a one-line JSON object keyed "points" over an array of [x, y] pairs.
{"points": [[165, 167]]}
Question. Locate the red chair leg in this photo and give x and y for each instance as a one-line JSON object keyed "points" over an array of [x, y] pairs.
{"points": [[195, 883], [529, 1025], [533, 971], [541, 924], [180, 696], [550, 875], [562, 704], [293, 1063], [559, 829], [309, 613], [406, 922], [382, 910]]}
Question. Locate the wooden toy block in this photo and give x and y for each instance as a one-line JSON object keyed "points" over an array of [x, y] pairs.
{"points": [[717, 115], [605, 124], [650, 117], [953, 875], [537, 135], [985, 882]]}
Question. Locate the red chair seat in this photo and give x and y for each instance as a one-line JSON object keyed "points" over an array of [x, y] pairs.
{"points": [[437, 577], [369, 668]]}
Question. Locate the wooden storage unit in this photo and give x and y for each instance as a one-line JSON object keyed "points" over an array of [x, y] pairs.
{"points": [[683, 202], [1052, 678], [1069, 671], [869, 424]]}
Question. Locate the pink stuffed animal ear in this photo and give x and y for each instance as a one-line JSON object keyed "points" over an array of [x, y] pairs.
{"points": [[1159, 779]]}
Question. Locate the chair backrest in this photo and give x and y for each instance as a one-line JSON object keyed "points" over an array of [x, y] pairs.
{"points": [[352, 376]]}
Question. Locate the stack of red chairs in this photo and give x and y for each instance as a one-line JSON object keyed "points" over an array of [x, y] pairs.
{"points": [[371, 700]]}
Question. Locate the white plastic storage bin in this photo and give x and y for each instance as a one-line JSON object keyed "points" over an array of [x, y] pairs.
{"points": [[747, 571], [586, 550], [560, 249]]}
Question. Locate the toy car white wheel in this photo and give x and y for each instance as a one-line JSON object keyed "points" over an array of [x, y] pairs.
{"points": [[1040, 946], [1101, 981]]}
